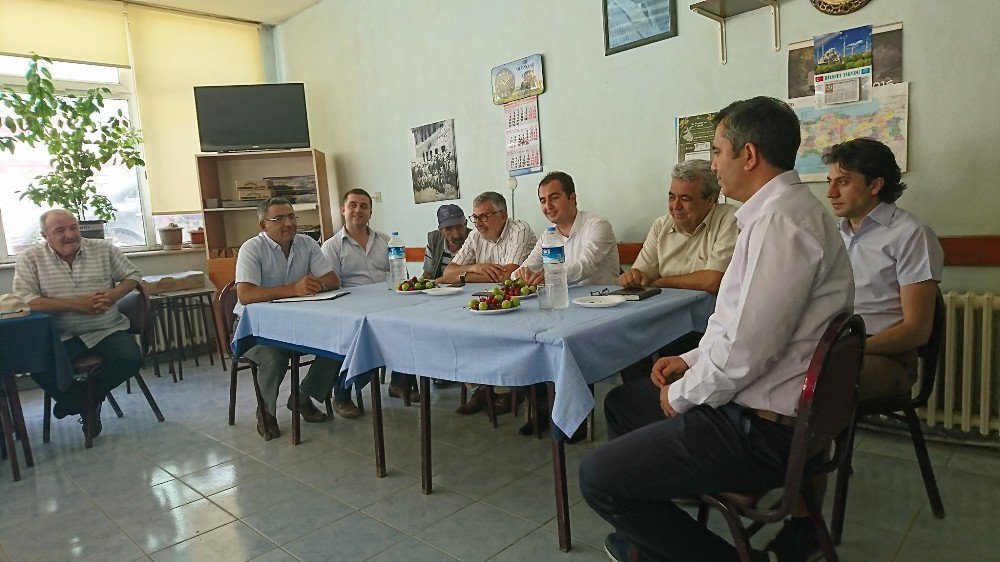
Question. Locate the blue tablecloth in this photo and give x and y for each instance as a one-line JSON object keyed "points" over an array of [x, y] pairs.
{"points": [[439, 337], [30, 344]]}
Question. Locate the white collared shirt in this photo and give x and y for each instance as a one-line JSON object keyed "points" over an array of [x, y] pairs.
{"points": [[891, 248], [591, 252], [261, 262], [356, 265], [514, 244], [789, 277]]}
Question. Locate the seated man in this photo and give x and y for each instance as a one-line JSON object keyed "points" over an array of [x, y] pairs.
{"points": [[442, 245], [688, 248], [446, 241], [897, 262], [280, 263], [360, 256], [715, 418], [491, 253], [591, 246], [78, 281]]}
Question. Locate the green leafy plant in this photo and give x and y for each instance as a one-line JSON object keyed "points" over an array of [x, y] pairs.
{"points": [[79, 145]]}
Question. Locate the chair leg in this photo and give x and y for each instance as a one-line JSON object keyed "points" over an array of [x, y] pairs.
{"points": [[8, 438], [149, 397], [128, 387], [464, 396], [840, 494], [204, 324], [536, 427], [88, 412], [490, 397], [17, 416], [740, 538], [703, 514], [590, 418], [296, 437], [186, 310], [260, 398], [47, 418], [924, 460], [358, 398], [808, 495], [114, 405], [232, 393], [515, 395], [218, 337], [329, 404]]}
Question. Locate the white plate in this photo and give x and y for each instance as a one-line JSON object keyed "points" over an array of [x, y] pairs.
{"points": [[497, 311], [442, 291], [413, 292], [602, 301]]}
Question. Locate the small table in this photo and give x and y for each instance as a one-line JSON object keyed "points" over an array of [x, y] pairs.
{"points": [[28, 344], [171, 310]]}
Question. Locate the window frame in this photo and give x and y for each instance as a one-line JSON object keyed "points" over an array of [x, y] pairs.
{"points": [[124, 90]]}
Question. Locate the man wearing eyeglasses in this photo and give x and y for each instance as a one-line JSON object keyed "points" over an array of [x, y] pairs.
{"points": [[490, 254], [360, 256], [275, 264]]}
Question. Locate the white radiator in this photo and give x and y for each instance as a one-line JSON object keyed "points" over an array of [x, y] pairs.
{"points": [[967, 392]]}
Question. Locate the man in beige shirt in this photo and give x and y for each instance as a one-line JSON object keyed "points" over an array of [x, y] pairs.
{"points": [[688, 248]]}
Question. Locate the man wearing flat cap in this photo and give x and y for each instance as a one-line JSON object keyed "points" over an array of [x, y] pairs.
{"points": [[444, 242]]}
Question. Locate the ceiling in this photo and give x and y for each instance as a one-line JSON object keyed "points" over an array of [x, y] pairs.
{"points": [[263, 11]]}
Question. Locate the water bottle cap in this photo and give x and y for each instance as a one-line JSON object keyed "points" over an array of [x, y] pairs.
{"points": [[550, 229]]}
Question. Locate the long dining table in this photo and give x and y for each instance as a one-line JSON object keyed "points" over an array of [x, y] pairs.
{"points": [[439, 337]]}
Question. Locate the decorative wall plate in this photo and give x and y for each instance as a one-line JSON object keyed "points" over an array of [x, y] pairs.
{"points": [[839, 7]]}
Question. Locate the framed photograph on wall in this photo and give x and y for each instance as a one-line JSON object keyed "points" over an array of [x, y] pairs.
{"points": [[633, 23]]}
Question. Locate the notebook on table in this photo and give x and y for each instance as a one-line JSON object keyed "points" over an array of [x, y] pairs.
{"points": [[636, 293]]}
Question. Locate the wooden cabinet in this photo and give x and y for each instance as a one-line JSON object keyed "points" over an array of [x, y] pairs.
{"points": [[227, 228]]}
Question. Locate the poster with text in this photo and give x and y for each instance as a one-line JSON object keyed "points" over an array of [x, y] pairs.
{"points": [[843, 66], [694, 136], [433, 165]]}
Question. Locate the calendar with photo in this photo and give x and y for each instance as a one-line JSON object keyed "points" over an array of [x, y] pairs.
{"points": [[522, 136]]}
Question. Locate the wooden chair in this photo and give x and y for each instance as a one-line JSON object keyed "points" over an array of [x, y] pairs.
{"points": [[825, 414], [135, 306], [902, 408], [227, 306]]}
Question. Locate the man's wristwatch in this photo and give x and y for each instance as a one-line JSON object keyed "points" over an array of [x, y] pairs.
{"points": [[461, 277]]}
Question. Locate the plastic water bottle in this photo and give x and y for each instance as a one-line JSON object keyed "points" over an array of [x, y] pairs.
{"points": [[397, 261], [554, 264]]}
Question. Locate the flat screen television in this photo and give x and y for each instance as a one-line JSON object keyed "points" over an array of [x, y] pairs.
{"points": [[251, 117]]}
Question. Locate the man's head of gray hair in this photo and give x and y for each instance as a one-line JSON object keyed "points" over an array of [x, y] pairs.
{"points": [[267, 204], [45, 216], [498, 201], [693, 170]]}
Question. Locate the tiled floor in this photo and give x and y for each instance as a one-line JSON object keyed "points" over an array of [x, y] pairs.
{"points": [[194, 488]]}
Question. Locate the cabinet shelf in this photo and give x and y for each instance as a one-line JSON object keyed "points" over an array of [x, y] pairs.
{"points": [[295, 207], [721, 10]]}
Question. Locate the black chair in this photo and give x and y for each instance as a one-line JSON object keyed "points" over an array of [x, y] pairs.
{"points": [[135, 306], [825, 415], [902, 408], [227, 305]]}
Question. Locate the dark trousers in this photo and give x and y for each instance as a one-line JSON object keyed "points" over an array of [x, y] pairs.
{"points": [[403, 380], [642, 368], [652, 460], [122, 360]]}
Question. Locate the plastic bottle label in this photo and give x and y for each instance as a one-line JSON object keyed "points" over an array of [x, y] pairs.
{"points": [[397, 252], [553, 254]]}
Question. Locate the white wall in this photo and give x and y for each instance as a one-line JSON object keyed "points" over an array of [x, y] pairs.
{"points": [[375, 68]]}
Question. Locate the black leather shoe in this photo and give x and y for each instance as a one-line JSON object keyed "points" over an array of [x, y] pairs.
{"points": [[476, 403], [309, 411], [397, 392], [97, 426], [441, 383]]}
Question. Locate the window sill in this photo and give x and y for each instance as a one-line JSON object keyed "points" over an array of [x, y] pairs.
{"points": [[135, 254]]}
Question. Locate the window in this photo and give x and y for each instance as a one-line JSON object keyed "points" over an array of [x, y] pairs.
{"points": [[124, 187]]}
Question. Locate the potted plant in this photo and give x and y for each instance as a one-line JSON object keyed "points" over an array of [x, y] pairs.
{"points": [[79, 144], [171, 236], [197, 236]]}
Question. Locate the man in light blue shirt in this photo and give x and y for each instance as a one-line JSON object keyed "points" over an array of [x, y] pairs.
{"points": [[275, 264], [360, 256]]}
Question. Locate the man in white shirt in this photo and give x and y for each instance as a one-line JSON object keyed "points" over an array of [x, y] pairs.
{"points": [[897, 262], [591, 246], [360, 256], [275, 264], [491, 253], [718, 417]]}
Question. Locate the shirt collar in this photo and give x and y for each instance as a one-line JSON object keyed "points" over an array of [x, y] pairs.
{"points": [[701, 226], [83, 242], [753, 207], [882, 215]]}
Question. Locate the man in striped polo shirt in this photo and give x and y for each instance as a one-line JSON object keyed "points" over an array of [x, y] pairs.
{"points": [[492, 252], [78, 281]]}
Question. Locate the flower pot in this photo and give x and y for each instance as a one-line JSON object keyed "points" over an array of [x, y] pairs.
{"points": [[197, 238], [171, 237], [92, 229]]}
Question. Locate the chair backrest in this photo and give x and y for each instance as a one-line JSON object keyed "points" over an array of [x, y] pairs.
{"points": [[135, 306], [227, 306], [828, 400], [930, 354]]}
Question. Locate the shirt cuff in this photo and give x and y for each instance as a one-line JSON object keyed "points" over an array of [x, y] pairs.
{"points": [[678, 402]]}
